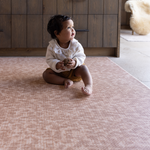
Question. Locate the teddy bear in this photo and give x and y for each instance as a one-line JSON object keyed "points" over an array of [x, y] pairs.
{"points": [[67, 61]]}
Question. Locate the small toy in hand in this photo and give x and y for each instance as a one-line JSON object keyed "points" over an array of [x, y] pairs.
{"points": [[67, 61]]}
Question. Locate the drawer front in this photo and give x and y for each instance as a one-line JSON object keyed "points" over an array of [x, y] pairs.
{"points": [[64, 7], [96, 7], [96, 22], [19, 7], [34, 7], [110, 31], [46, 35], [34, 31], [81, 28], [5, 31], [95, 26], [19, 36], [49, 7], [5, 7], [80, 7], [111, 6]]}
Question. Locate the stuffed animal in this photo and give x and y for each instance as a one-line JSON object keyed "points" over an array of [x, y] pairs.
{"points": [[67, 61]]}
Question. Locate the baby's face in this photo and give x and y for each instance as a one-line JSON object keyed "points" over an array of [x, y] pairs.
{"points": [[68, 32]]}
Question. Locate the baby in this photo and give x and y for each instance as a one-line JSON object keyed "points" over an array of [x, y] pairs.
{"points": [[63, 45]]}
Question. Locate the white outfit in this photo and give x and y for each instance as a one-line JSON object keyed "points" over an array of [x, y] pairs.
{"points": [[55, 54]]}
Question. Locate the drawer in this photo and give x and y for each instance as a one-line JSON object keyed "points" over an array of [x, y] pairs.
{"points": [[111, 6], [19, 7], [95, 7], [46, 35], [34, 31], [95, 27], [80, 7], [5, 31], [49, 7], [19, 36], [34, 7], [110, 31], [81, 28], [5, 7], [64, 7]]}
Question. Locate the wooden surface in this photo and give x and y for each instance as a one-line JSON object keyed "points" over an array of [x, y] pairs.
{"points": [[34, 31], [80, 7], [95, 35], [24, 22], [96, 7], [111, 7], [42, 52], [64, 7], [5, 34], [19, 35], [110, 31], [34, 7], [5, 7], [49, 7], [79, 25], [19, 7], [125, 17]]}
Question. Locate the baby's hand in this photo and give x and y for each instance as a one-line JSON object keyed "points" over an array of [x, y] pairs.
{"points": [[60, 65], [71, 64]]}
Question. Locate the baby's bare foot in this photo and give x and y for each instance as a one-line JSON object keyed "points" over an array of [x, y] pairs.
{"points": [[87, 90], [68, 83]]}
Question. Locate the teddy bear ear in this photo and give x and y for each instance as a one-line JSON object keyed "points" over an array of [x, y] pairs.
{"points": [[65, 61]]}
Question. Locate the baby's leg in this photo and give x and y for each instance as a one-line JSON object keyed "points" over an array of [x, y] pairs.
{"points": [[83, 72], [68, 83], [87, 90], [51, 77]]}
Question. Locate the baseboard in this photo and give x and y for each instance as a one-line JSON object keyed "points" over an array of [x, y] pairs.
{"points": [[42, 52]]}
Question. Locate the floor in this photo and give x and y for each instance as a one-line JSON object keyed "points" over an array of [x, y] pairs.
{"points": [[135, 59]]}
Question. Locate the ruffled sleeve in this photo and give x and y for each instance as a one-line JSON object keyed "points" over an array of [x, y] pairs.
{"points": [[50, 59], [79, 55]]}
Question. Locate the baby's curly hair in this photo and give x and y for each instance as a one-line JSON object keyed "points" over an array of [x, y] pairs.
{"points": [[55, 24]]}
